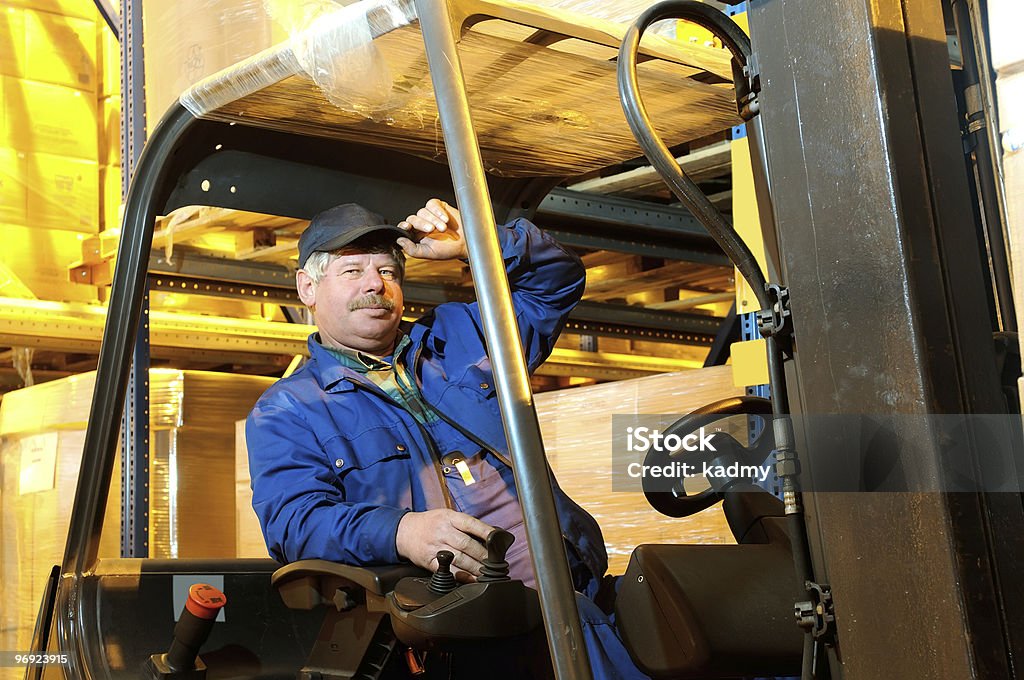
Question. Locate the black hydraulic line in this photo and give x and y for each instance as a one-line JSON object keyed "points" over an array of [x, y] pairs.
{"points": [[976, 124], [654, 148], [110, 17], [123, 316], [725, 235]]}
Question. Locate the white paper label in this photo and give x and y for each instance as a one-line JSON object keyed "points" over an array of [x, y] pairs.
{"points": [[38, 462]]}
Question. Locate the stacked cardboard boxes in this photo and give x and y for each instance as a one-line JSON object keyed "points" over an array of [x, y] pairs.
{"points": [[60, 112], [108, 109], [187, 40], [192, 491], [49, 170]]}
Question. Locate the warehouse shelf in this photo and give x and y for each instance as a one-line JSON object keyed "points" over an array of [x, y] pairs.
{"points": [[66, 326]]}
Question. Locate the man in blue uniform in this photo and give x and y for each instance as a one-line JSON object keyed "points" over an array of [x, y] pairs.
{"points": [[388, 445]]}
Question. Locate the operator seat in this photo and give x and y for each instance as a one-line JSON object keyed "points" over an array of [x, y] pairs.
{"points": [[716, 611]]}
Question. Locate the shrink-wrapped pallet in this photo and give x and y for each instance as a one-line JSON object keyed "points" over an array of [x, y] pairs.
{"points": [[191, 513]]}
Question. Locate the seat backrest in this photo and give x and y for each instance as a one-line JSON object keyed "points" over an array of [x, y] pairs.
{"points": [[712, 611]]}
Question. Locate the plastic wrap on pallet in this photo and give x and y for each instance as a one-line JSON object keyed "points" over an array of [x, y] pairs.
{"points": [[577, 428], [336, 51], [192, 494], [540, 106]]}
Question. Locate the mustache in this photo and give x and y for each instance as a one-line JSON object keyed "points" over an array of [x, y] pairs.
{"points": [[371, 300]]}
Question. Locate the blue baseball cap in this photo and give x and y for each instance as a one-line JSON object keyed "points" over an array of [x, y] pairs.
{"points": [[339, 226]]}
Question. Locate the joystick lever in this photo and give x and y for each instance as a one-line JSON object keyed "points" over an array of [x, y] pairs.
{"points": [[181, 662], [495, 568], [494, 607], [442, 581]]}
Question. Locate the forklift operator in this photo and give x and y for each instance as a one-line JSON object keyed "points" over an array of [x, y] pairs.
{"points": [[388, 445]]}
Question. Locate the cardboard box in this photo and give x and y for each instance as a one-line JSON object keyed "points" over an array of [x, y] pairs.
{"points": [[63, 193], [60, 50], [576, 426], [248, 533], [42, 431], [110, 130], [110, 196], [34, 524], [46, 118], [187, 40], [83, 9], [13, 195], [108, 61], [40, 259], [1004, 21], [12, 47]]}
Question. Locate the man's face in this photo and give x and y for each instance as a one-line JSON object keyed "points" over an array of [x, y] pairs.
{"points": [[358, 303]]}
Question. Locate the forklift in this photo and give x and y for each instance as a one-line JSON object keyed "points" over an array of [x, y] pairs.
{"points": [[876, 299]]}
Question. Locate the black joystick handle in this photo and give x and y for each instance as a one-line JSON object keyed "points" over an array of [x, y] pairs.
{"points": [[182, 662], [442, 581], [495, 567]]}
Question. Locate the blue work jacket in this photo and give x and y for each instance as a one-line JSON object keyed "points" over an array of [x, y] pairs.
{"points": [[335, 463]]}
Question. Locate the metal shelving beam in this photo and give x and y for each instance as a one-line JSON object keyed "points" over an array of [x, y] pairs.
{"points": [[135, 422], [705, 163], [627, 225], [274, 284], [79, 327]]}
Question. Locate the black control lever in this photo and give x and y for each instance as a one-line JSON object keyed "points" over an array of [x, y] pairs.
{"points": [[442, 581], [182, 662], [494, 607], [495, 568]]}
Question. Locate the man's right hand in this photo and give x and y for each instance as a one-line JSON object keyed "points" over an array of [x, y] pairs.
{"points": [[422, 534]]}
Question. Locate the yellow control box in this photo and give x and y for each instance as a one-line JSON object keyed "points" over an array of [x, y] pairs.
{"points": [[749, 363]]}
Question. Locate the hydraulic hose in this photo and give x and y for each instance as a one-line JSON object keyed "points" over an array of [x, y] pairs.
{"points": [[725, 235], [654, 148]]}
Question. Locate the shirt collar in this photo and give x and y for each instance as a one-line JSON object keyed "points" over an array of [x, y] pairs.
{"points": [[362, 362]]}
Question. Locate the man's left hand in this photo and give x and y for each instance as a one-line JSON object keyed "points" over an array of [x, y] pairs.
{"points": [[435, 233]]}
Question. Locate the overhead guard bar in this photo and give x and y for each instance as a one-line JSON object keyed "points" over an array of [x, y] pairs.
{"points": [[123, 316], [547, 550]]}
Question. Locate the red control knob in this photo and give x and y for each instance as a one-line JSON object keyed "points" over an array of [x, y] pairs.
{"points": [[205, 601]]}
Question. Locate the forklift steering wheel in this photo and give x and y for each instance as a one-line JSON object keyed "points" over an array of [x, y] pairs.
{"points": [[676, 502]]}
